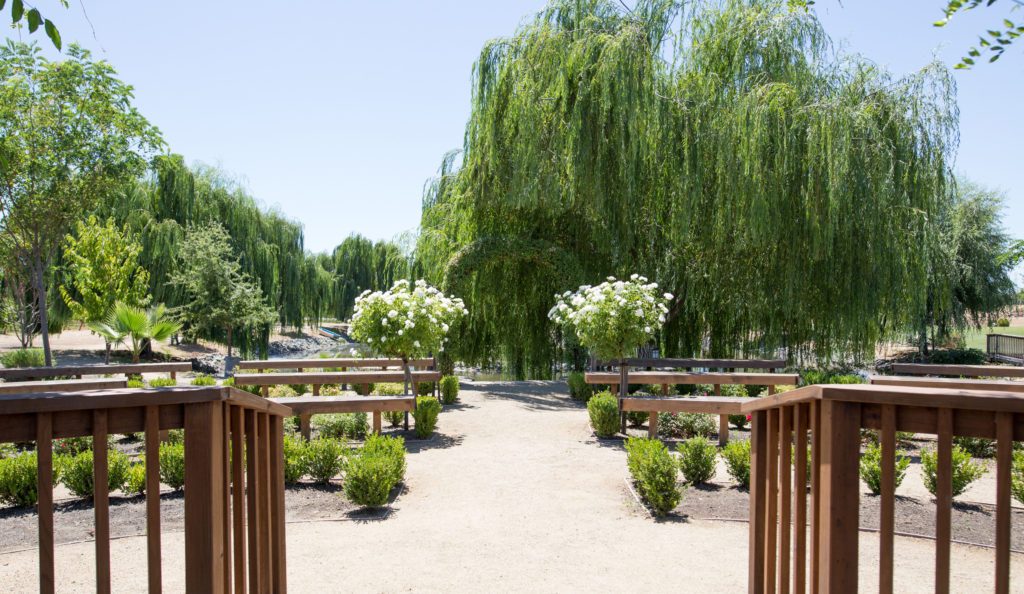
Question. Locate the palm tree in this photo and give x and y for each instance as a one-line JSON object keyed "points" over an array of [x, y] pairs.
{"points": [[139, 326]]}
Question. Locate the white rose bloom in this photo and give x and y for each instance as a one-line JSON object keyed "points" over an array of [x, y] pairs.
{"points": [[647, 329], [392, 314], [416, 344], [400, 332]]}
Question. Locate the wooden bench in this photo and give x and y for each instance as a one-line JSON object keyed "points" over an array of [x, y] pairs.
{"points": [[716, 405], [948, 383], [320, 378], [78, 371], [958, 370], [716, 379], [62, 386], [305, 407]]}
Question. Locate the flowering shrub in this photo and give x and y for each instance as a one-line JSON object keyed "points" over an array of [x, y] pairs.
{"points": [[405, 322], [614, 318]]}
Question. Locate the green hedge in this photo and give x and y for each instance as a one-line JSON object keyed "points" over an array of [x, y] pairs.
{"points": [[654, 473], [603, 409]]}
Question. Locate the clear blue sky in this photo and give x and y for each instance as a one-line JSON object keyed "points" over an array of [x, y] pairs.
{"points": [[337, 113]]}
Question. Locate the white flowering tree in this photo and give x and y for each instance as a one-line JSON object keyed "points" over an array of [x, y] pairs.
{"points": [[614, 318], [405, 322]]}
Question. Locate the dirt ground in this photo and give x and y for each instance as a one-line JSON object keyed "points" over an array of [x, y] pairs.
{"points": [[516, 495]]}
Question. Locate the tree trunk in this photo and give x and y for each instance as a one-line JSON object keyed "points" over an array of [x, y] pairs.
{"points": [[43, 314], [106, 355]]}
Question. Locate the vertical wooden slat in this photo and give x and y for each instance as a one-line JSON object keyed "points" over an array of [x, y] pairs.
{"points": [[652, 425], [277, 546], [238, 495], [772, 503], [252, 464], [758, 501], [153, 499], [226, 495], [204, 502], [815, 419], [786, 495], [800, 503], [943, 499], [263, 490], [723, 422], [101, 499], [376, 422], [1004, 462], [44, 487], [887, 522], [839, 501]]}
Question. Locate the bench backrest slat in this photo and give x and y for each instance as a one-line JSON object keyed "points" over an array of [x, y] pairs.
{"points": [[668, 363], [690, 377], [62, 386], [20, 373], [350, 363], [333, 377], [958, 370]]}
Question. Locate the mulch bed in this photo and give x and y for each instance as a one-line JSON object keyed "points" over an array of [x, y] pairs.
{"points": [[74, 520], [971, 523]]}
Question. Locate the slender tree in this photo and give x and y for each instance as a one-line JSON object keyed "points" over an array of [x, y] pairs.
{"points": [[68, 136], [219, 296], [102, 269]]}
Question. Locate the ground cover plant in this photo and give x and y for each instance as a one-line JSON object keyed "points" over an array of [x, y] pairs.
{"points": [[654, 474]]}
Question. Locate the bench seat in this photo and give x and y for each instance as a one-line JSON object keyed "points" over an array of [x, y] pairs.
{"points": [[306, 406], [714, 405], [329, 363], [961, 370], [333, 377], [950, 383]]}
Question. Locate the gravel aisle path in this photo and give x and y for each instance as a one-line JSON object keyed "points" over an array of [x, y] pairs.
{"points": [[515, 495]]}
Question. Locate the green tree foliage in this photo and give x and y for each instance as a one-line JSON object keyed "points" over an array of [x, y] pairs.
{"points": [[781, 191], [359, 264], [218, 294], [136, 327], [69, 135], [31, 17], [102, 268], [993, 41], [970, 274]]}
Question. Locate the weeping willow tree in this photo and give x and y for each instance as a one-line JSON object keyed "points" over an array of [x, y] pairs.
{"points": [[270, 246], [782, 191], [359, 264]]}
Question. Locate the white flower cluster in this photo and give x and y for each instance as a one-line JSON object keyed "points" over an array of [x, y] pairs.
{"points": [[613, 318], [405, 321]]}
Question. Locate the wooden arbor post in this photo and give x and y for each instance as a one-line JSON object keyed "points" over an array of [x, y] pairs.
{"points": [[205, 509]]}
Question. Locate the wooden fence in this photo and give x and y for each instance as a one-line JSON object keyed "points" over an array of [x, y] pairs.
{"points": [[1005, 347], [831, 416], [234, 478]]}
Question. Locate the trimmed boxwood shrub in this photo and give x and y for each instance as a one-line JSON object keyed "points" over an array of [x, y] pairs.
{"points": [[424, 388], [871, 468], [737, 461], [979, 447], [364, 389], [579, 389], [654, 474], [202, 380], [697, 457], [71, 446], [449, 389], [341, 425], [18, 476], [163, 382], [24, 358], [1017, 477], [965, 470], [374, 470], [324, 459], [686, 424], [294, 459], [604, 414], [76, 472], [425, 415], [135, 483], [172, 465]]}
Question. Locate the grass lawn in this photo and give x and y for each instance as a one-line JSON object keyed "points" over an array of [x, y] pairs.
{"points": [[976, 338]]}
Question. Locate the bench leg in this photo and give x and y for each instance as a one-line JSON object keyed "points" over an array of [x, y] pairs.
{"points": [[376, 422], [622, 422], [174, 375], [265, 390], [652, 425], [304, 426], [723, 430], [316, 389], [406, 420]]}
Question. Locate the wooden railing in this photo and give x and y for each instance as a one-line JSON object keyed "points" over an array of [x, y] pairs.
{"points": [[234, 477], [1005, 347], [781, 558], [957, 370]]}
